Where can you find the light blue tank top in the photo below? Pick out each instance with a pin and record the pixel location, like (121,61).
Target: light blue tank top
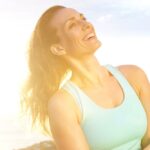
(118,128)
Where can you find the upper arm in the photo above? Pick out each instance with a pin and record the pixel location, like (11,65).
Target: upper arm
(145,98)
(64,125)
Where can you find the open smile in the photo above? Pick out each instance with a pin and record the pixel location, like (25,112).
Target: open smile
(89,36)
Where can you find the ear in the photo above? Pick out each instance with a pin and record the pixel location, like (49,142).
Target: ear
(57,49)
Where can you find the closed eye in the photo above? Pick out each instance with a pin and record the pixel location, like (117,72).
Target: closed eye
(84,18)
(73,21)
(72,25)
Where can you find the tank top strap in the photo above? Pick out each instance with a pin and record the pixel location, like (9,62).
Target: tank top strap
(121,78)
(68,87)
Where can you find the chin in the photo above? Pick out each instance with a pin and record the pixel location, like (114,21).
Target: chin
(97,45)
(100,44)
(94,49)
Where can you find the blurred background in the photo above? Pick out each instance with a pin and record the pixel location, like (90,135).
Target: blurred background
(122,26)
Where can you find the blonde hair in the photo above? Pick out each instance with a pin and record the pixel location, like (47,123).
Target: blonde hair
(46,71)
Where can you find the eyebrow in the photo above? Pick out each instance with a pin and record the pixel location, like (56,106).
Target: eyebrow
(73,18)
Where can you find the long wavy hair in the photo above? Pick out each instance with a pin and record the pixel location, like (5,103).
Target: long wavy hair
(46,70)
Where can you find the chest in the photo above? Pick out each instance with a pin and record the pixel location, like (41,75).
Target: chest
(120,129)
(108,96)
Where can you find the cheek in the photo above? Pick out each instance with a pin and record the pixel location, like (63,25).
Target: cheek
(75,34)
(75,46)
(78,44)
(73,40)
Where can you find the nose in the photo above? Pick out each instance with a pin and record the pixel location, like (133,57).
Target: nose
(86,26)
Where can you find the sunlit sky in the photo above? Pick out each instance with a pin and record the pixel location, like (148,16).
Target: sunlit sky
(122,26)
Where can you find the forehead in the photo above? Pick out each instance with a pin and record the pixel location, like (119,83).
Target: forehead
(63,15)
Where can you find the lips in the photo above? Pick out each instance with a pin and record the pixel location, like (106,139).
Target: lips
(89,36)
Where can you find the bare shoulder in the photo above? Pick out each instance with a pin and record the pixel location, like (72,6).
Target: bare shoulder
(135,75)
(64,104)
(58,98)
(131,71)
(61,101)
(64,125)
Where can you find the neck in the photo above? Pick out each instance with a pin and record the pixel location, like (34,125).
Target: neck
(88,72)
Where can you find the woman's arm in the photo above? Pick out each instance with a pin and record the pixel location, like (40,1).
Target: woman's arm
(64,124)
(145,98)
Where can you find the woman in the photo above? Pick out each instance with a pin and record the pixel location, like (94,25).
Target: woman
(99,107)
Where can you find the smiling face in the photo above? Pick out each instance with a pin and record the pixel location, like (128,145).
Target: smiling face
(76,35)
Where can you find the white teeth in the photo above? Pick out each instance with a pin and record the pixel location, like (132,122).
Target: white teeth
(90,35)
